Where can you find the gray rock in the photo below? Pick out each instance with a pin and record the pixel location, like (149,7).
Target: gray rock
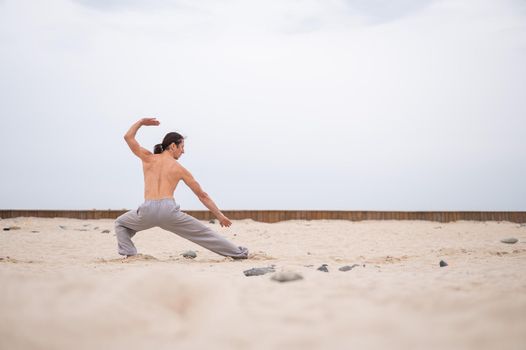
(11,228)
(509,240)
(286,277)
(63,227)
(348,268)
(212,221)
(105,231)
(189,254)
(258,271)
(442,263)
(323,268)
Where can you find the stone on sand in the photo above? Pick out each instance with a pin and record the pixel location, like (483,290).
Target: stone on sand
(258,271)
(286,276)
(442,263)
(347,267)
(510,240)
(189,254)
(323,268)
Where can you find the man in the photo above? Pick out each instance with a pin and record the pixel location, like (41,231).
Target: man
(162,173)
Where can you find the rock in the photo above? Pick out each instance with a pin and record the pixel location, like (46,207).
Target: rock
(442,263)
(348,268)
(323,268)
(286,277)
(63,227)
(105,231)
(189,254)
(11,228)
(212,221)
(35,231)
(509,240)
(258,271)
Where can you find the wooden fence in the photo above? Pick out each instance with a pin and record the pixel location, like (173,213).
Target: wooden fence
(282,215)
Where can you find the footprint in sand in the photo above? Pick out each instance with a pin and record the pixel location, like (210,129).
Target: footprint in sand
(259,255)
(8,259)
(387,259)
(130,259)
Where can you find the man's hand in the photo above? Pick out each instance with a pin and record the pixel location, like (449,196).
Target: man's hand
(150,121)
(224,222)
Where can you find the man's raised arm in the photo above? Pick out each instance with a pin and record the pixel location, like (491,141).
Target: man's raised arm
(129,137)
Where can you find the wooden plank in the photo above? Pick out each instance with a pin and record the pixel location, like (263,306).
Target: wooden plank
(281,215)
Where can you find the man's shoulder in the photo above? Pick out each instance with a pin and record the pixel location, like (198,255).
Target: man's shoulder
(176,166)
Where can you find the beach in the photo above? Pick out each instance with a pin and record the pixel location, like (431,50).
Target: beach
(64,286)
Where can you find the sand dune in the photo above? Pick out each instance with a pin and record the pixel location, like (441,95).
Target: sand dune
(64,286)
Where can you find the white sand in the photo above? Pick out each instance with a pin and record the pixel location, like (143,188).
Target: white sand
(67,288)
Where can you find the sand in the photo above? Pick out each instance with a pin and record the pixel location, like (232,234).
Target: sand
(63,286)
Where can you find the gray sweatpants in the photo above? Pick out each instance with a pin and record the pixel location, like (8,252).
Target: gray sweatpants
(165,213)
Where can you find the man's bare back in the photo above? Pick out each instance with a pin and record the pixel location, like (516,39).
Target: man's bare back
(162,172)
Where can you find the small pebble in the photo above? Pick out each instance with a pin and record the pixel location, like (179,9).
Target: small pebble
(442,263)
(286,277)
(11,228)
(348,268)
(212,221)
(190,254)
(35,231)
(323,268)
(258,271)
(105,231)
(509,240)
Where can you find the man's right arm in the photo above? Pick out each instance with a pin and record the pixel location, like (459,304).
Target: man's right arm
(129,137)
(204,198)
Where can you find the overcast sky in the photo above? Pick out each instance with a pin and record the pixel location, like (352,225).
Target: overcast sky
(286,104)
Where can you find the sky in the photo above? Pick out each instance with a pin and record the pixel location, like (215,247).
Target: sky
(285,104)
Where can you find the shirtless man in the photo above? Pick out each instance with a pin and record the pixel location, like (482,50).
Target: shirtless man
(162,173)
